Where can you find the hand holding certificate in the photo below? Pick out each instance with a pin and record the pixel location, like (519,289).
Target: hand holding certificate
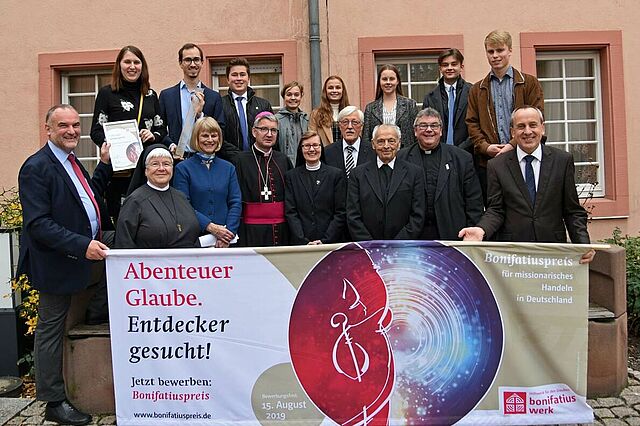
(126,145)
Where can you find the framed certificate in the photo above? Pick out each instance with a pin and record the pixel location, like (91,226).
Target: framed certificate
(126,145)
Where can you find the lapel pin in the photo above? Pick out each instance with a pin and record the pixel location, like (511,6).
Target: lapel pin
(446,166)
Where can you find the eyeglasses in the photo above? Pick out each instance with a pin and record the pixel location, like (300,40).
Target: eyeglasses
(196,61)
(267,130)
(354,123)
(158,164)
(315,146)
(425,126)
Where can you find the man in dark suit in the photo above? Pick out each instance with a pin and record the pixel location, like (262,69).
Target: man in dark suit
(351,152)
(454,198)
(449,98)
(241,105)
(62,210)
(531,191)
(315,197)
(176,100)
(385,197)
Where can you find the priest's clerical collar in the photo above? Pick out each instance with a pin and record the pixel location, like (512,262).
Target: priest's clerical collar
(431,151)
(265,153)
(157,188)
(313,167)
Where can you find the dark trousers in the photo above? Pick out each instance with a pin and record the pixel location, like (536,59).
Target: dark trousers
(49,335)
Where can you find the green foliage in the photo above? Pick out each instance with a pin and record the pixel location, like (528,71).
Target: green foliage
(10,209)
(11,218)
(632,247)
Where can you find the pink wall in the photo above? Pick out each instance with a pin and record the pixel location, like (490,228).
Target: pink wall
(31,29)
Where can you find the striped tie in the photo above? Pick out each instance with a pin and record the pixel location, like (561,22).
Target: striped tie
(349,163)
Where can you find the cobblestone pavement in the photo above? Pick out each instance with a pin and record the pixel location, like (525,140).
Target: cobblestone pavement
(614,411)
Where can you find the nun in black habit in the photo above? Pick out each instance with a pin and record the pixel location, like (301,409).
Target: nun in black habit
(155,215)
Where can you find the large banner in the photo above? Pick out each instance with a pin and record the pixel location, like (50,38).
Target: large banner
(354,334)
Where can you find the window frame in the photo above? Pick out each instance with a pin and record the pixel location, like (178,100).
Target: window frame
(584,190)
(258,66)
(65,95)
(407,60)
(615,202)
(389,46)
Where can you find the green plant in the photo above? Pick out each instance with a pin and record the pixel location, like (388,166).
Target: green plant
(632,248)
(11,218)
(10,209)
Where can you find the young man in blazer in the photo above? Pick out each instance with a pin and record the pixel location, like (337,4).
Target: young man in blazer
(385,197)
(532,191)
(176,100)
(449,98)
(241,105)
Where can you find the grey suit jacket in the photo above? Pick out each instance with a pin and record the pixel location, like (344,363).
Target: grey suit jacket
(406,111)
(510,216)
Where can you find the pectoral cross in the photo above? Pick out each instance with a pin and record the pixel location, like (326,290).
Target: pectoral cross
(265,193)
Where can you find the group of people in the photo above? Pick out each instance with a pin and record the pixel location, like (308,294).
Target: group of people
(224,167)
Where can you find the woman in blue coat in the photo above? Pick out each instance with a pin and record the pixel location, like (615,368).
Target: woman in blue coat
(211,184)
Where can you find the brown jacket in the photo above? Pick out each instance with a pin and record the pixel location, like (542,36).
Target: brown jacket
(325,133)
(481,116)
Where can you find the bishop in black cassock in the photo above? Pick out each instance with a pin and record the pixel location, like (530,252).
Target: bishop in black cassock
(261,173)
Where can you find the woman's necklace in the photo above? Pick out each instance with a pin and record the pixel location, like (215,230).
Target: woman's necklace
(266,192)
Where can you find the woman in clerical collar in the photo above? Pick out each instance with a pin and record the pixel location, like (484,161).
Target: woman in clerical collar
(155,215)
(211,184)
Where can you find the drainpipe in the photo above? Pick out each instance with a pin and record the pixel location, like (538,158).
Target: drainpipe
(314,43)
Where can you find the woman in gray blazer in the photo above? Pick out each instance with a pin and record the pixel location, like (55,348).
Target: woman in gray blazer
(390,107)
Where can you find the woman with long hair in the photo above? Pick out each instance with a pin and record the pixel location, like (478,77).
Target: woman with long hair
(129,96)
(390,107)
(324,119)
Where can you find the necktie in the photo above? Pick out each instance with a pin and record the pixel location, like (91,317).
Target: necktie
(349,164)
(243,124)
(386,177)
(85,185)
(529,178)
(452,103)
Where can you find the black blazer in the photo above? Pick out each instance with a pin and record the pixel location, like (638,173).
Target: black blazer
(334,154)
(510,215)
(318,215)
(255,105)
(397,216)
(458,198)
(406,111)
(56,229)
(434,100)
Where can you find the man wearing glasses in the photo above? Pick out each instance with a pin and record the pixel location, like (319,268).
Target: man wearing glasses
(454,198)
(261,172)
(191,93)
(386,197)
(350,152)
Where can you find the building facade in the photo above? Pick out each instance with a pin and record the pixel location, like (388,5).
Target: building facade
(582,52)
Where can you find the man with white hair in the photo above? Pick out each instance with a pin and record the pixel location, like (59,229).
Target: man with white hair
(386,197)
(350,152)
(261,172)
